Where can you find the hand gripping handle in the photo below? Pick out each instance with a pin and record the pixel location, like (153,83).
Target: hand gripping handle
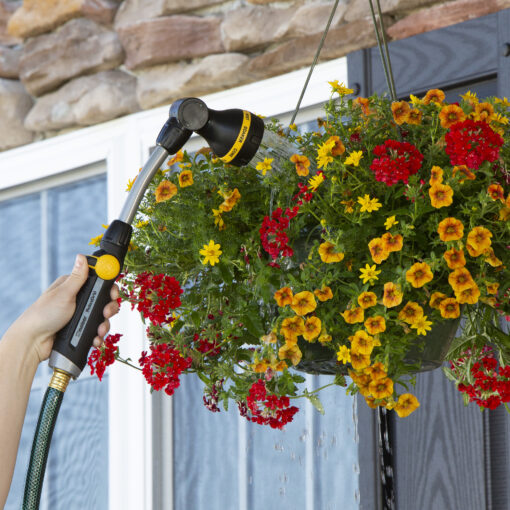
(73,342)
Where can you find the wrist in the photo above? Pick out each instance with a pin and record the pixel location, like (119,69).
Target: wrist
(21,347)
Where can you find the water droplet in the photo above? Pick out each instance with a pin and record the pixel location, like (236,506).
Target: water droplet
(282,491)
(278,447)
(250,480)
(355,468)
(357,496)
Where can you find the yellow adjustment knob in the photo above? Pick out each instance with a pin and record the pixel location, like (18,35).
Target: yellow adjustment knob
(107,267)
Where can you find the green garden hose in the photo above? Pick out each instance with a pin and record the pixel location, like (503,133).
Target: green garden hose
(42,439)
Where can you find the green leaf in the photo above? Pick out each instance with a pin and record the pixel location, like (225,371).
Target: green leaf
(253,325)
(226,273)
(314,399)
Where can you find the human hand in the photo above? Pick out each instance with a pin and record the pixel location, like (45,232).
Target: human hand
(54,309)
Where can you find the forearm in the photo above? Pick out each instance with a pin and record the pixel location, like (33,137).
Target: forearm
(18,364)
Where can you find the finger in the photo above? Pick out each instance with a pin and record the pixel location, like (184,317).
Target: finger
(97,342)
(76,279)
(114,293)
(111,309)
(103,328)
(59,281)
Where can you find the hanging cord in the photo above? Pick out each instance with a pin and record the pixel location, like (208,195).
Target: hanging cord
(385,441)
(316,58)
(383,49)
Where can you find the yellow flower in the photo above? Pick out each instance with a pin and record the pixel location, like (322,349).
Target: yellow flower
(323,294)
(130,183)
(328,254)
(302,164)
(415,100)
(315,181)
(407,403)
(270,338)
(419,274)
(292,327)
(436,299)
(460,279)
(211,252)
(230,200)
(411,312)
(375,325)
(218,220)
(95,241)
(381,388)
(450,229)
(362,343)
(414,117)
(325,338)
(369,273)
(483,112)
(436,175)
(291,352)
(492,259)
(392,243)
(141,223)
(378,250)
(470,97)
(492,288)
(264,166)
(165,191)
(369,204)
(349,206)
(353,315)
(392,295)
(340,88)
(354,158)
(367,299)
(312,328)
(468,296)
(178,157)
(324,156)
(400,110)
(465,172)
(338,148)
(303,303)
(441,195)
(344,354)
(390,222)
(479,238)
(422,325)
(449,308)
(260,366)
(283,296)
(503,102)
(360,361)
(454,258)
(376,371)
(185,178)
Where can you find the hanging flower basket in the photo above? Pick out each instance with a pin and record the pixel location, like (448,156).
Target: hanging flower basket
(352,255)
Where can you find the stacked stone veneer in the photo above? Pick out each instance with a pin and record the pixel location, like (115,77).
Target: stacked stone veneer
(71,63)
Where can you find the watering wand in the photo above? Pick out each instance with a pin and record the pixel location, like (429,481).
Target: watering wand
(238,137)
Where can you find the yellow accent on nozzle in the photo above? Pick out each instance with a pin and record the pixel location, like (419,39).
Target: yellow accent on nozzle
(59,380)
(241,138)
(107,267)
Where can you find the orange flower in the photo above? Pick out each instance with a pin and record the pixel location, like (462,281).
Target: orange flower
(359,361)
(230,200)
(291,328)
(354,315)
(312,328)
(411,312)
(185,178)
(381,388)
(367,299)
(323,294)
(303,303)
(451,114)
(375,325)
(377,250)
(392,295)
(436,175)
(436,299)
(484,112)
(450,229)
(473,252)
(449,308)
(328,254)
(362,343)
(283,296)
(460,279)
(407,403)
(392,243)
(302,164)
(165,191)
(464,171)
(400,111)
(363,103)
(441,195)
(491,258)
(496,192)
(419,274)
(362,381)
(371,402)
(376,371)
(338,147)
(179,156)
(479,238)
(469,295)
(434,96)
(291,352)
(454,258)
(414,117)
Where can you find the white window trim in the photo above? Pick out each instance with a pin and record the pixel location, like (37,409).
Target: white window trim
(123,145)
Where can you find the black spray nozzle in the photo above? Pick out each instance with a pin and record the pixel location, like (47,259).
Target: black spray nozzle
(234,135)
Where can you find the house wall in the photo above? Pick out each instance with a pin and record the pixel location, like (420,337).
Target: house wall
(66,64)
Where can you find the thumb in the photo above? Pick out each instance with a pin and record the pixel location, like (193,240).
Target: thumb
(78,275)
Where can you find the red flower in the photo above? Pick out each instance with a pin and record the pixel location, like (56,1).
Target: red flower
(272,232)
(102,357)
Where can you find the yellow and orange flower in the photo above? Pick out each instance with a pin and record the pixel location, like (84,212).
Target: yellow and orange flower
(468,296)
(491,259)
(338,148)
(323,294)
(367,299)
(411,312)
(483,112)
(377,250)
(283,296)
(419,274)
(492,288)
(400,110)
(434,96)
(291,328)
(362,381)
(414,117)
(407,403)
(496,192)
(454,258)
(302,164)
(362,343)
(353,315)
(392,295)
(303,303)
(451,114)
(185,178)
(460,279)
(359,361)
(436,298)
(436,175)
(328,254)
(165,191)
(392,243)
(375,325)
(465,172)
(230,200)
(473,252)
(376,371)
(363,103)
(312,330)
(479,238)
(441,195)
(381,388)
(449,308)
(450,229)
(291,352)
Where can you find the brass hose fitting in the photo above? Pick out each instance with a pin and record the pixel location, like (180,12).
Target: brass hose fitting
(59,380)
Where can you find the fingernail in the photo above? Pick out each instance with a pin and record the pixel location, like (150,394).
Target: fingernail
(78,262)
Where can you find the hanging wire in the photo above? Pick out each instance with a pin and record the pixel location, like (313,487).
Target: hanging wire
(319,48)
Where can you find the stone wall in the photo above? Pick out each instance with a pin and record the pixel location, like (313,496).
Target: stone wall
(71,63)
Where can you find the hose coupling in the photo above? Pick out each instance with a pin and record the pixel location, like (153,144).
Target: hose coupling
(59,380)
